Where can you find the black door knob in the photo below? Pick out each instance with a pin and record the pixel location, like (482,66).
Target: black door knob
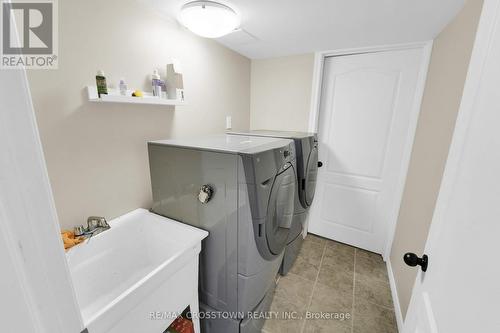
(320,164)
(411,259)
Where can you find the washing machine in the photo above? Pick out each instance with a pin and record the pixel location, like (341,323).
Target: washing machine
(241,189)
(306,147)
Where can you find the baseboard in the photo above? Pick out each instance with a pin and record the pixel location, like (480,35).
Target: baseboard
(395,298)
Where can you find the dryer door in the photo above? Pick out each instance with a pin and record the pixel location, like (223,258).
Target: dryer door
(311,176)
(280,210)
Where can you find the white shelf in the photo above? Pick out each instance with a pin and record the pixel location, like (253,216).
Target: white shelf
(114,96)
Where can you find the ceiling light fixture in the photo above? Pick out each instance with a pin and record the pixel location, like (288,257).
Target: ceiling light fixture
(209,19)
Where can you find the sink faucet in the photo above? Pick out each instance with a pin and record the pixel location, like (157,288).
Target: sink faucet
(95,225)
(97,222)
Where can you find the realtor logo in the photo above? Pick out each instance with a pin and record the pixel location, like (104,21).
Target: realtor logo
(29,34)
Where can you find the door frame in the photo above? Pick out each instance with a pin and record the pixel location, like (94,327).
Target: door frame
(29,225)
(489,19)
(29,228)
(28,219)
(319,60)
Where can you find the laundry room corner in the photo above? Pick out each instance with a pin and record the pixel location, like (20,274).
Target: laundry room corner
(237,166)
(280,92)
(92,148)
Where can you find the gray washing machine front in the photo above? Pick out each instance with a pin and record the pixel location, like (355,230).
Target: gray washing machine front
(306,147)
(241,190)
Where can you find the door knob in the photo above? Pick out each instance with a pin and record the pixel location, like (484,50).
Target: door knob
(320,164)
(411,259)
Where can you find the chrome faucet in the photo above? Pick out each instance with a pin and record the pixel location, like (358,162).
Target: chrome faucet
(95,225)
(97,222)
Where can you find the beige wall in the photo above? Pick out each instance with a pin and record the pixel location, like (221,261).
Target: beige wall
(443,92)
(281,93)
(96,153)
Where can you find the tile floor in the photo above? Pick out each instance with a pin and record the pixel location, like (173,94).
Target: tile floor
(337,279)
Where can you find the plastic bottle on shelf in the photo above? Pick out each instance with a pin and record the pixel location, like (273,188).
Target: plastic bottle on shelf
(156,83)
(102,87)
(123,87)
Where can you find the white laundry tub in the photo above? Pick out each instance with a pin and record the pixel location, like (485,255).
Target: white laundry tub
(136,275)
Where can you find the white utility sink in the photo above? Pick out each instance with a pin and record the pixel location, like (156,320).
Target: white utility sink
(145,264)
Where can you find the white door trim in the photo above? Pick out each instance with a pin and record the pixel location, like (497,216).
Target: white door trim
(28,220)
(38,282)
(395,296)
(319,60)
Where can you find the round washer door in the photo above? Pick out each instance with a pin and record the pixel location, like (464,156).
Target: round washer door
(311,176)
(280,210)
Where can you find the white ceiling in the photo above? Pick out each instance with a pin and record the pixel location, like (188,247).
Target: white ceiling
(274,28)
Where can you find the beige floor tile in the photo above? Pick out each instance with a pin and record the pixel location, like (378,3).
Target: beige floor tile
(312,251)
(304,268)
(332,300)
(315,239)
(372,318)
(368,254)
(326,326)
(340,247)
(373,290)
(335,278)
(339,256)
(282,320)
(328,277)
(295,289)
(371,266)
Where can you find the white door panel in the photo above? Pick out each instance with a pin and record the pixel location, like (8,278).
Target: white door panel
(461,284)
(367,104)
(358,136)
(349,206)
(426,322)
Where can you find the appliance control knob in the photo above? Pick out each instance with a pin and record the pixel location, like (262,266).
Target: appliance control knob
(205,194)
(286,153)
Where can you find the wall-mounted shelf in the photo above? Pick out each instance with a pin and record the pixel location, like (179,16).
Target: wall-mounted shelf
(114,96)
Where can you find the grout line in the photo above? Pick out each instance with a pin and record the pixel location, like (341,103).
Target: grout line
(379,305)
(353,290)
(300,277)
(314,286)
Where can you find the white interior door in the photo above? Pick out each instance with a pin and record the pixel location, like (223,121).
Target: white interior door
(368,112)
(460,291)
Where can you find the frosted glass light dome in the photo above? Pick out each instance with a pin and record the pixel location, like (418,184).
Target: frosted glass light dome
(209,19)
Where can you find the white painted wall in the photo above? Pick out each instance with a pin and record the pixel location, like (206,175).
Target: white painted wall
(281,93)
(96,153)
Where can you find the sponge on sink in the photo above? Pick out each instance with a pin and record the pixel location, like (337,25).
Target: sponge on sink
(69,239)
